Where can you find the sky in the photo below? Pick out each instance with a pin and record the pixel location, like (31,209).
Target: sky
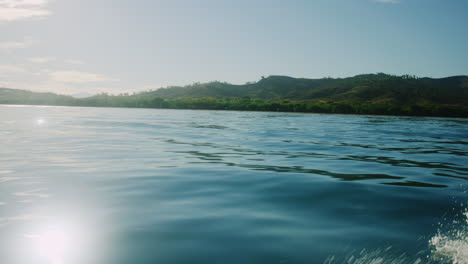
(125,46)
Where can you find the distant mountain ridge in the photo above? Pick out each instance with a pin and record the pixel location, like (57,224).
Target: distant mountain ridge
(362,94)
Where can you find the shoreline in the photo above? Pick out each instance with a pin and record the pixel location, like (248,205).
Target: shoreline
(236,110)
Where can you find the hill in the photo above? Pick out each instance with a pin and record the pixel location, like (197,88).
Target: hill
(15,96)
(361,94)
(371,88)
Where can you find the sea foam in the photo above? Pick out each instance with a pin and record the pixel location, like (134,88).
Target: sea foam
(450,244)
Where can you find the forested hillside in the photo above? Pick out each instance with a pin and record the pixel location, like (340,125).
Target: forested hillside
(374,88)
(361,94)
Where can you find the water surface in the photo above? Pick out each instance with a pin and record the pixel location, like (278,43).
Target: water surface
(104,185)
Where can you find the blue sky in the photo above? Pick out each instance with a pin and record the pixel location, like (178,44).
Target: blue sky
(115,46)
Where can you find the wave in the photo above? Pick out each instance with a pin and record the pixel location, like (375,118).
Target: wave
(378,256)
(448,246)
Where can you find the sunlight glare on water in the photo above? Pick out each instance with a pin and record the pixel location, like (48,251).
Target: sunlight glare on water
(56,242)
(51,245)
(40,121)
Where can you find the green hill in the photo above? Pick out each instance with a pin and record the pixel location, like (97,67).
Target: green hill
(15,96)
(372,88)
(361,94)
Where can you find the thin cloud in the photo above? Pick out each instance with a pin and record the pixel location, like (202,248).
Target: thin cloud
(9,46)
(38,193)
(7,68)
(41,59)
(11,10)
(75,62)
(79,77)
(22,3)
(387,1)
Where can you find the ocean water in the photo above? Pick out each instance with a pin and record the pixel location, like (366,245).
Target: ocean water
(111,186)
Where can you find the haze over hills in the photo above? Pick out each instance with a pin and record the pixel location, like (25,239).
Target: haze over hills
(363,94)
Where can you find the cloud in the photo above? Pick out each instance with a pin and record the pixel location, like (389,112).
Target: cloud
(38,193)
(11,10)
(6,68)
(79,77)
(387,1)
(75,62)
(41,59)
(10,14)
(22,3)
(8,46)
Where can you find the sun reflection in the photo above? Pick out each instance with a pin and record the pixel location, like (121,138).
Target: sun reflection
(40,121)
(56,243)
(51,245)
